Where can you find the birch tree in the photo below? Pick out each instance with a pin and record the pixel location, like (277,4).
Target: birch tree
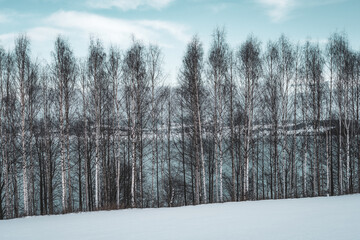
(217,71)
(22,62)
(286,72)
(314,68)
(64,68)
(96,73)
(155,73)
(5,70)
(114,73)
(272,96)
(191,79)
(249,70)
(135,75)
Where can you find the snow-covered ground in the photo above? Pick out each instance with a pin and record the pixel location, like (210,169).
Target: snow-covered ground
(327,218)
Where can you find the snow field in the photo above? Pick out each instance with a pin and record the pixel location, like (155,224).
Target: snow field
(330,218)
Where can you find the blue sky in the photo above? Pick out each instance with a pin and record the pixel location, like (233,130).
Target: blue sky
(171,23)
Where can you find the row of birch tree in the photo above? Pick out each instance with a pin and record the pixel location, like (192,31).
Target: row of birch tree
(258,121)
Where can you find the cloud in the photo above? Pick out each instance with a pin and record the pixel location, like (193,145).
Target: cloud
(176,30)
(278,10)
(79,26)
(8,16)
(116,29)
(216,8)
(128,4)
(3,18)
(41,39)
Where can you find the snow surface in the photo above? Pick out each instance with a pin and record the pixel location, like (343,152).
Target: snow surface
(310,218)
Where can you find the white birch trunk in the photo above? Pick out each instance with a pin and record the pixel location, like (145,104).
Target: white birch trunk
(67,107)
(133,140)
(62,144)
(201,146)
(327,163)
(340,158)
(220,146)
(97,160)
(62,149)
(216,137)
(23,145)
(3,152)
(154,138)
(47,147)
(348,158)
(118,139)
(86,170)
(221,167)
(305,168)
(118,160)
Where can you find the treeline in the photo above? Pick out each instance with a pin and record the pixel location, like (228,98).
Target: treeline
(259,121)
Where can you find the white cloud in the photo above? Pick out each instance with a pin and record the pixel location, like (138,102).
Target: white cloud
(3,18)
(43,34)
(128,4)
(117,30)
(79,26)
(216,8)
(176,30)
(8,16)
(41,39)
(278,10)
(38,34)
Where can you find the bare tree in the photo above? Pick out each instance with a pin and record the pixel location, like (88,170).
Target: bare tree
(155,73)
(231,83)
(22,62)
(96,74)
(64,73)
(286,72)
(249,70)
(6,65)
(217,71)
(272,105)
(84,86)
(190,79)
(135,77)
(114,73)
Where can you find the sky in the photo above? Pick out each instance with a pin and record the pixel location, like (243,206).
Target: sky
(172,23)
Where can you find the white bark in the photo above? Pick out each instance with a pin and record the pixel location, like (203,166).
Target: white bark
(216,135)
(348,159)
(3,150)
(23,146)
(86,170)
(305,168)
(220,142)
(327,163)
(133,140)
(118,139)
(155,73)
(201,145)
(340,157)
(97,153)
(47,145)
(347,127)
(62,149)
(115,68)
